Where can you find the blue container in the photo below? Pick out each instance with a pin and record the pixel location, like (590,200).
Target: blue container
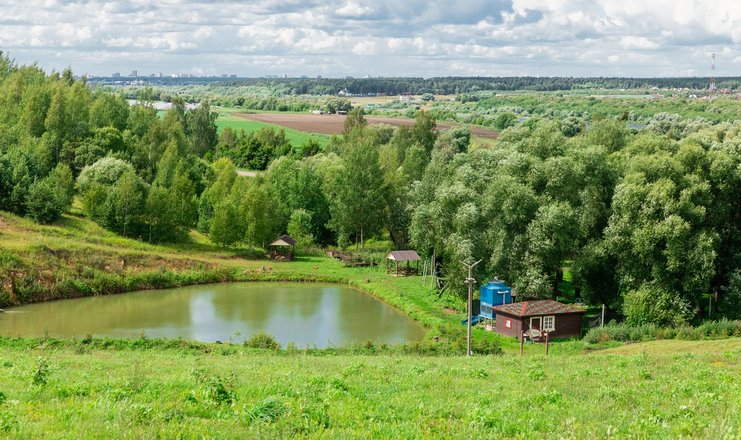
(494,293)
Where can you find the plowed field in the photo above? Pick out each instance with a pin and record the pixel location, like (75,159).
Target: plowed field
(335,124)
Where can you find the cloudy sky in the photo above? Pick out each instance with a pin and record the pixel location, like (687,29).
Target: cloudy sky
(377,38)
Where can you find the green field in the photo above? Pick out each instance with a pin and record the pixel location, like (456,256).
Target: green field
(297,138)
(87,391)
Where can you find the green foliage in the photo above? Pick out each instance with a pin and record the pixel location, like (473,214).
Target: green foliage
(355,120)
(43,202)
(226,226)
(300,228)
(40,373)
(357,189)
(262,340)
(651,304)
(106,171)
(215,390)
(648,332)
(334,105)
(730,303)
(505,120)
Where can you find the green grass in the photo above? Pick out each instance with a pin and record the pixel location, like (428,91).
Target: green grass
(235,392)
(297,138)
(143,388)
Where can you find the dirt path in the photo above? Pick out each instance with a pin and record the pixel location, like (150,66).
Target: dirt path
(335,124)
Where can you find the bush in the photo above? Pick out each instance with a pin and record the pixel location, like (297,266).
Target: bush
(652,304)
(43,203)
(262,340)
(626,332)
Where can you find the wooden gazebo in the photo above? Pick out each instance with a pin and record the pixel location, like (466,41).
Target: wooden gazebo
(402,256)
(282,248)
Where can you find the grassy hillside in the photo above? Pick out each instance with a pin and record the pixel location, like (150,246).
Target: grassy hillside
(209,391)
(75,257)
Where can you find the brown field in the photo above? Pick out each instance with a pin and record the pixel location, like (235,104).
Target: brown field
(335,124)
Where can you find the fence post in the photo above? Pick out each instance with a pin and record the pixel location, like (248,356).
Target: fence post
(522,342)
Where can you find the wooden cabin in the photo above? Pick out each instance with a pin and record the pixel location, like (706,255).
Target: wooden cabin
(537,317)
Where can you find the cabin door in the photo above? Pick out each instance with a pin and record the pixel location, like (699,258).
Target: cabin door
(535,323)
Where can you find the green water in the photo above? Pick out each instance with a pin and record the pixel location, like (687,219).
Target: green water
(306,314)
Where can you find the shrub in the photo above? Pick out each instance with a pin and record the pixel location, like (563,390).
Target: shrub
(626,332)
(652,304)
(216,390)
(43,203)
(262,340)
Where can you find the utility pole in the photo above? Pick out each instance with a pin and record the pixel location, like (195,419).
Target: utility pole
(470,282)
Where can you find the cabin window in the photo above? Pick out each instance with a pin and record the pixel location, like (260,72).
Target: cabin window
(508,323)
(549,323)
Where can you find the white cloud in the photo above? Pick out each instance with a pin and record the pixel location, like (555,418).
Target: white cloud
(354,9)
(632,42)
(359,37)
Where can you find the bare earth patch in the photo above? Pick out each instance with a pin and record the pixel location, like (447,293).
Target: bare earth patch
(335,124)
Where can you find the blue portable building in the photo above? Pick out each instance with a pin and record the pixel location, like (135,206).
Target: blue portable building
(494,293)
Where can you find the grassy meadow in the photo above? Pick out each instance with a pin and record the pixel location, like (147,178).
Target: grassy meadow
(689,390)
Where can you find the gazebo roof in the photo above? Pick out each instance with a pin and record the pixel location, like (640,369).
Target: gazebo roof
(283,240)
(403,256)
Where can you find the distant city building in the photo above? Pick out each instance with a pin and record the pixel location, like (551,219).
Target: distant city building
(232,75)
(134,73)
(116,75)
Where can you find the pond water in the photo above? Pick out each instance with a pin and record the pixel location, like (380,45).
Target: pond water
(307,314)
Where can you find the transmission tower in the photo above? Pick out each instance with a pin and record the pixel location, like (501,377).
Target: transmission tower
(712,87)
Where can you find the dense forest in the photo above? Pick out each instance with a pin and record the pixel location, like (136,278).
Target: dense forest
(648,222)
(443,85)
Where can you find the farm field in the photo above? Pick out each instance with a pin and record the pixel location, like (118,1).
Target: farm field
(334,124)
(144,390)
(296,137)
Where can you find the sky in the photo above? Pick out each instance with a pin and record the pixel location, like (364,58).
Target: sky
(336,38)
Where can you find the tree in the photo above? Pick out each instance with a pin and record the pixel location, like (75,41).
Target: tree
(300,228)
(355,120)
(128,202)
(63,184)
(109,110)
(505,120)
(226,224)
(42,202)
(653,304)
(201,129)
(57,122)
(357,205)
(424,130)
(106,171)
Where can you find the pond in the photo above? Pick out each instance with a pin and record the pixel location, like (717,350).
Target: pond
(307,314)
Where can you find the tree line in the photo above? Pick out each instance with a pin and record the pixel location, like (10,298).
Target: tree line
(647,222)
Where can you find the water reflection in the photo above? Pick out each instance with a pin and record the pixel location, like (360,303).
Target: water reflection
(307,314)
